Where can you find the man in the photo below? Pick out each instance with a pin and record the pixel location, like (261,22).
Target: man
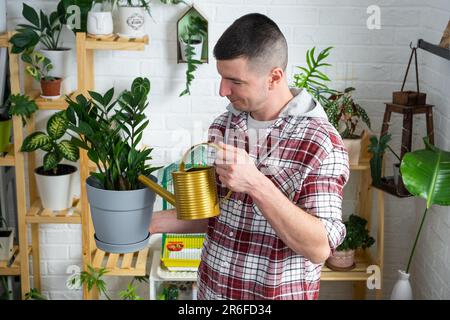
(283,219)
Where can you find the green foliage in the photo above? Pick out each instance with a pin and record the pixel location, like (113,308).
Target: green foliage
(377,148)
(6,294)
(92,278)
(111,135)
(130,292)
(20,105)
(341,108)
(55,150)
(426,173)
(39,65)
(312,79)
(43,28)
(357,235)
(34,294)
(194,30)
(146,3)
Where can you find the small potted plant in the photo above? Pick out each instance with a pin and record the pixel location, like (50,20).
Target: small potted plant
(132,16)
(54,180)
(191,47)
(15,105)
(39,68)
(45,30)
(357,236)
(344,114)
(121,207)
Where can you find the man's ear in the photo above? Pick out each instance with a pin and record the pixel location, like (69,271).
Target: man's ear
(276,75)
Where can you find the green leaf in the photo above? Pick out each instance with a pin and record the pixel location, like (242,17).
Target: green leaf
(51,160)
(25,38)
(31,15)
(35,141)
(97,97)
(68,150)
(57,125)
(426,173)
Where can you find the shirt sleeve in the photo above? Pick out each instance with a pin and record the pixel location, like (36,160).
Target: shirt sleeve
(322,192)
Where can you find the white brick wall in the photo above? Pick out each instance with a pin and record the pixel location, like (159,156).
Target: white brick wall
(373,61)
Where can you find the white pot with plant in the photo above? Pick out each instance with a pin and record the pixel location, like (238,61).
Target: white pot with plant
(39,67)
(99,19)
(6,240)
(53,179)
(46,31)
(357,237)
(426,174)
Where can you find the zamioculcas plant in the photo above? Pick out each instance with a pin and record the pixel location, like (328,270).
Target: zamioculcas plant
(49,142)
(377,148)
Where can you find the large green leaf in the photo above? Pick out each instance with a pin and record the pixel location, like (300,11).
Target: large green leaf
(57,125)
(68,150)
(30,14)
(35,141)
(426,173)
(51,160)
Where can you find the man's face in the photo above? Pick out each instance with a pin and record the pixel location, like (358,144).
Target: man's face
(246,89)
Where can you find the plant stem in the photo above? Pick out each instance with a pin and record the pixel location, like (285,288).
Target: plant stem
(415,242)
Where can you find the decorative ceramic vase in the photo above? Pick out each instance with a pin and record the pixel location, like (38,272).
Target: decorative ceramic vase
(197,45)
(341,260)
(99,23)
(402,288)
(131,22)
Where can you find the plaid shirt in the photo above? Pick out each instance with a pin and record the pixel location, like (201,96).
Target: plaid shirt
(243,258)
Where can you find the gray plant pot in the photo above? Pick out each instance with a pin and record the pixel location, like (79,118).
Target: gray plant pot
(121,218)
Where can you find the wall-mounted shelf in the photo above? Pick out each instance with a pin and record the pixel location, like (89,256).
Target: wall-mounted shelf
(435,49)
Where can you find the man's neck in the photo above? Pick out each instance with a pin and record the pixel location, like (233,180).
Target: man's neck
(273,108)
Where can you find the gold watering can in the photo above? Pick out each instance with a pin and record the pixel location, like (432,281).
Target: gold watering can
(195,190)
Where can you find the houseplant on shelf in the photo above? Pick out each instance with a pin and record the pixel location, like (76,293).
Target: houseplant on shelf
(191,46)
(15,105)
(6,240)
(345,114)
(54,180)
(43,29)
(357,237)
(425,173)
(121,207)
(39,68)
(132,16)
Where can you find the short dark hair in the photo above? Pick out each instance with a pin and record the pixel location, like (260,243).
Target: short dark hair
(255,37)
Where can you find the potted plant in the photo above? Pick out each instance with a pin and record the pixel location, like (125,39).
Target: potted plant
(39,68)
(191,46)
(132,16)
(425,173)
(6,240)
(121,207)
(357,236)
(54,180)
(15,105)
(43,29)
(344,114)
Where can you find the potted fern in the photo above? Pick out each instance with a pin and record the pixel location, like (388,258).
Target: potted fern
(53,179)
(357,236)
(121,207)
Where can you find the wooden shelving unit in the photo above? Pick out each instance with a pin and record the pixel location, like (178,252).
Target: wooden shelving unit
(359,274)
(132,264)
(14,158)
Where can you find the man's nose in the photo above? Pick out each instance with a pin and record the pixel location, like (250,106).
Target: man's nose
(224,88)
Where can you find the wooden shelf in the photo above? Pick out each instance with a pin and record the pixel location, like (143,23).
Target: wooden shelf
(117,43)
(363,165)
(37,214)
(14,268)
(4,40)
(128,264)
(7,160)
(50,104)
(388,185)
(359,273)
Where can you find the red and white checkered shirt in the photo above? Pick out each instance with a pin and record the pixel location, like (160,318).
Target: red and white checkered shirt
(243,258)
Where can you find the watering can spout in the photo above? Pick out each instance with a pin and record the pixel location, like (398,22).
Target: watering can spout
(168,196)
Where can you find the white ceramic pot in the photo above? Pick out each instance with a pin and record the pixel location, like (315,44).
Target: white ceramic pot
(59,60)
(402,288)
(132,22)
(354,150)
(198,48)
(6,243)
(100,23)
(55,191)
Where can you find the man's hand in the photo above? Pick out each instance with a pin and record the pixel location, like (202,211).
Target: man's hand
(236,169)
